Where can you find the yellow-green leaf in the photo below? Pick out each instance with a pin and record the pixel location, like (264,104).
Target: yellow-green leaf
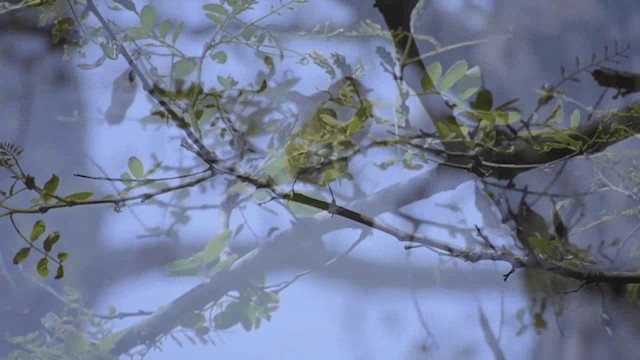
(43,267)
(38,228)
(219,56)
(216,8)
(176,32)
(51,186)
(575,119)
(79,196)
(59,272)
(147,18)
(182,68)
(163,28)
(21,255)
(426,83)
(435,71)
(135,167)
(51,240)
(453,74)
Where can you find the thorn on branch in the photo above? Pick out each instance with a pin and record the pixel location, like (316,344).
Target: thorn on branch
(506,276)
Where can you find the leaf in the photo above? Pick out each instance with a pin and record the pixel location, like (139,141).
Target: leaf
(219,56)
(62,256)
(147,18)
(79,196)
(215,18)
(453,74)
(21,255)
(51,240)
(182,68)
(126,178)
(135,167)
(227,82)
(38,229)
(216,8)
(176,32)
(163,28)
(43,267)
(435,71)
(574,120)
(59,272)
(469,84)
(484,101)
(214,247)
(426,83)
(51,186)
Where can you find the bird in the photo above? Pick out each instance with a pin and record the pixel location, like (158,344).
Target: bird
(329,127)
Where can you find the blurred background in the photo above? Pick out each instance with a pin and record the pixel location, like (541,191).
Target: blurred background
(378,302)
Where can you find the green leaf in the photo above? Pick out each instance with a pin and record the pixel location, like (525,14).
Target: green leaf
(21,255)
(51,186)
(163,28)
(79,196)
(435,71)
(43,267)
(227,82)
(147,18)
(469,84)
(574,120)
(135,167)
(216,8)
(426,83)
(182,68)
(453,74)
(215,18)
(59,272)
(62,256)
(176,32)
(248,32)
(219,56)
(126,178)
(214,247)
(51,240)
(484,101)
(38,229)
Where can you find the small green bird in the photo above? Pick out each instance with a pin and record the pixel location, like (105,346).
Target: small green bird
(320,146)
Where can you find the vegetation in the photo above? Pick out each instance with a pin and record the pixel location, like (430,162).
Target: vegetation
(231,126)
